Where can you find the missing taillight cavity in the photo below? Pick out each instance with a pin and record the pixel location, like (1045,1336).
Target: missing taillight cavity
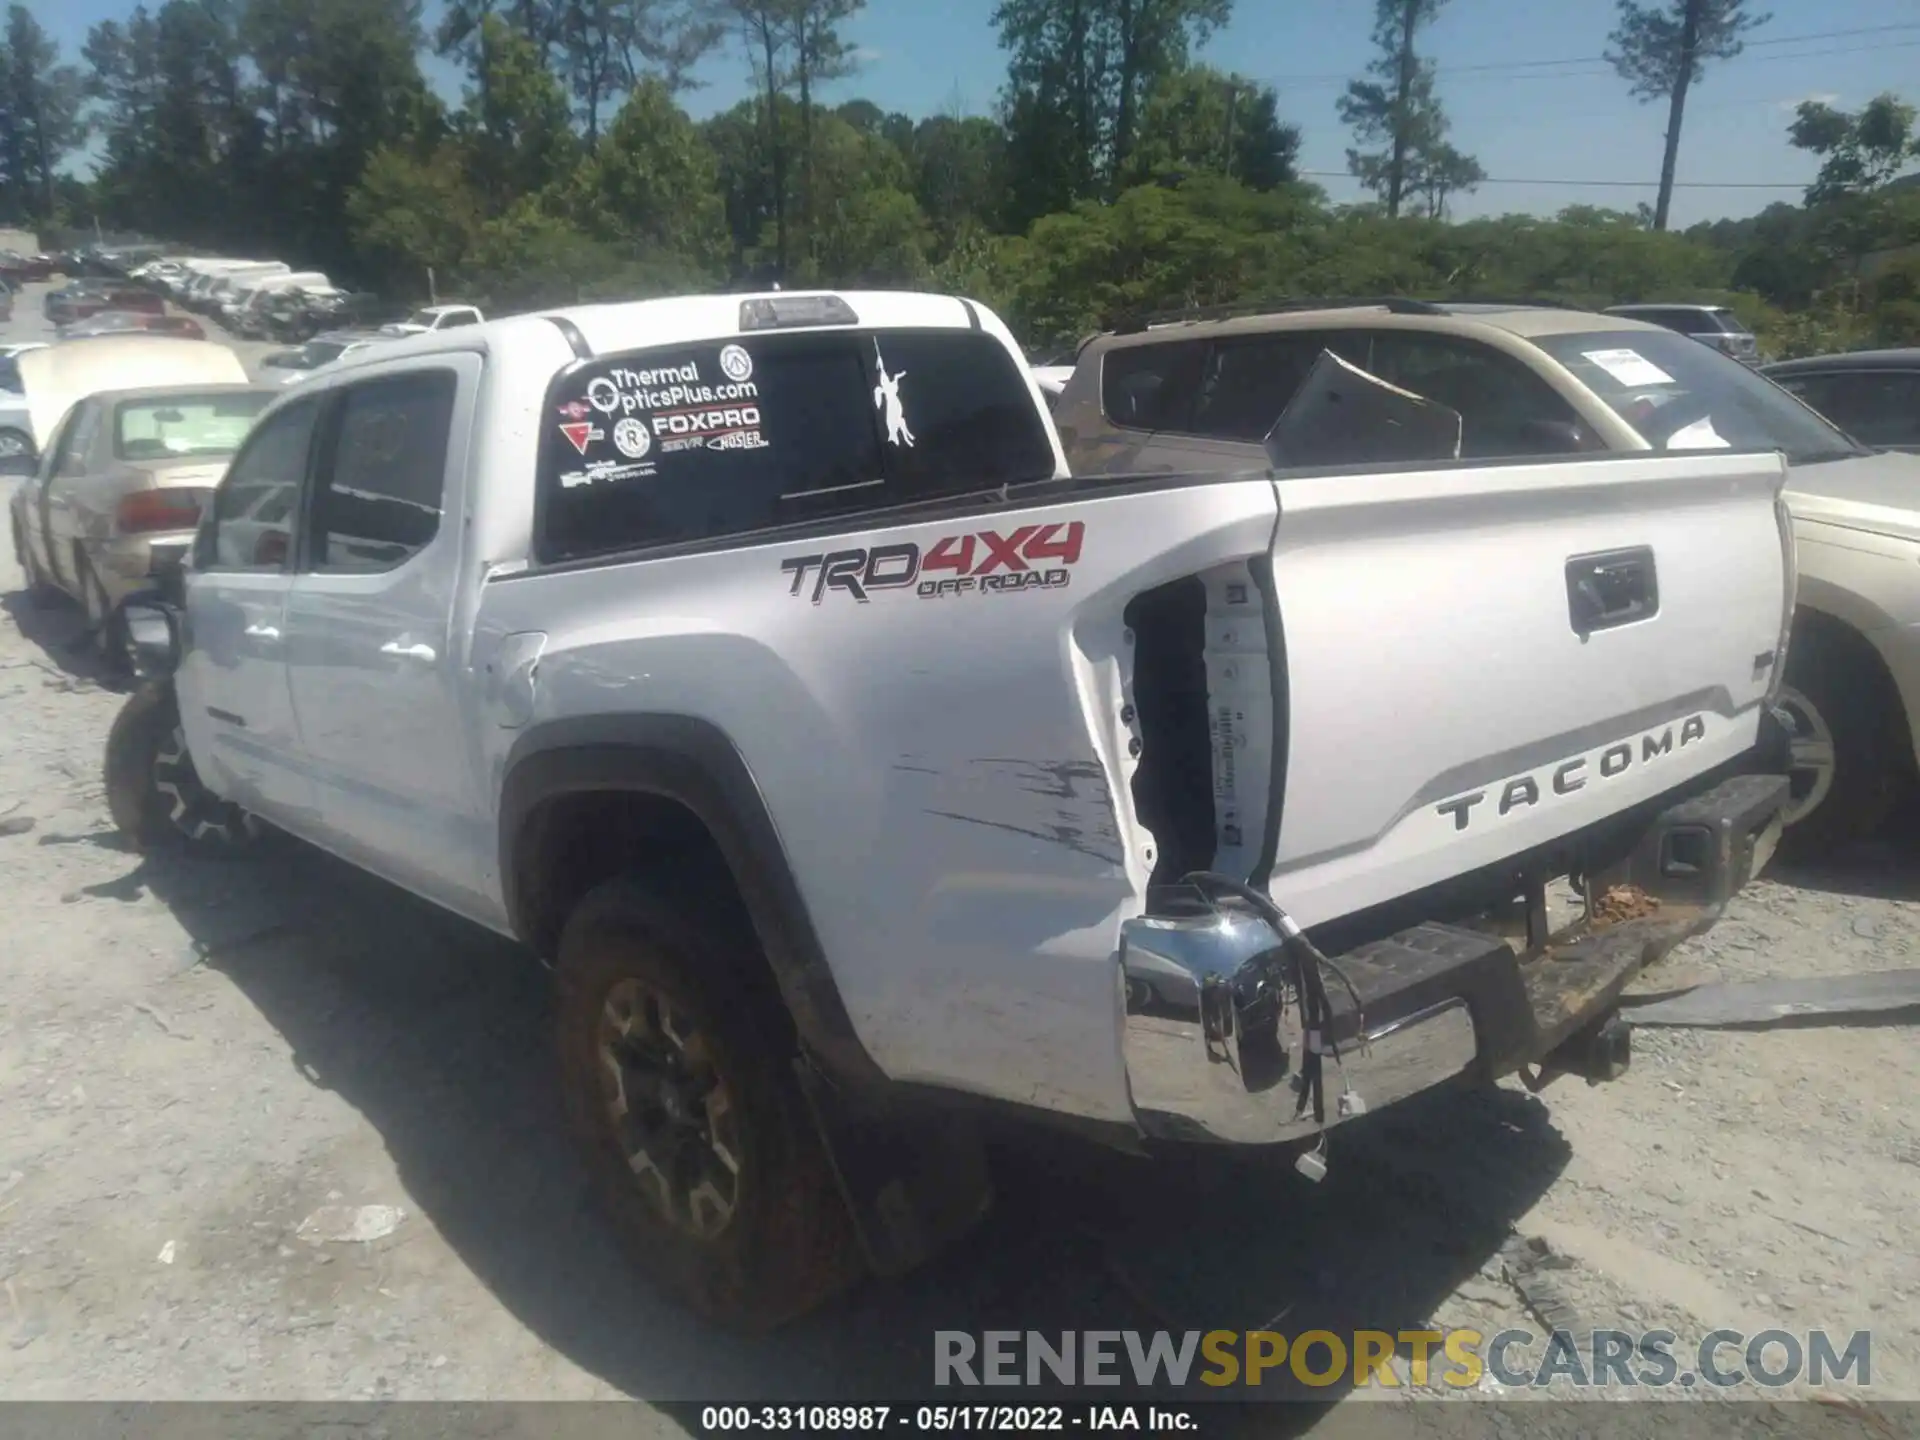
(1173,786)
(148,511)
(1203,696)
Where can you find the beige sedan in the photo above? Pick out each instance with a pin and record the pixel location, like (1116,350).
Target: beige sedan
(122,486)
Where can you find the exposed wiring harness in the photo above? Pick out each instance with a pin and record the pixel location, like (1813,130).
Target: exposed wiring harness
(1309,968)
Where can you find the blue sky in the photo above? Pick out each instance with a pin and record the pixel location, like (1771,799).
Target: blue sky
(1520,78)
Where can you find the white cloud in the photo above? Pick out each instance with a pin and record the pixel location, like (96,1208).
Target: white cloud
(1794,102)
(866,55)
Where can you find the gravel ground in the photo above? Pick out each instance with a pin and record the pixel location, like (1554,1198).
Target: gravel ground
(201,1064)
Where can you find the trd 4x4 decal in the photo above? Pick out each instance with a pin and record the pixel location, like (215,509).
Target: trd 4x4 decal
(986,562)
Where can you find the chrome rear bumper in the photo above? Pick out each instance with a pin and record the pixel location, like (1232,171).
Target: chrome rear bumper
(1211,1036)
(1214,1049)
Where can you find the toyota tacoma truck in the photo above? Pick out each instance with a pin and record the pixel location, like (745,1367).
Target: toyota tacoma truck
(759,663)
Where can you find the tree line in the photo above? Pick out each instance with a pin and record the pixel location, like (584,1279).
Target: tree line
(1118,173)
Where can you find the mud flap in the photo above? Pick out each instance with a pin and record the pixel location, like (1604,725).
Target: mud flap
(911,1188)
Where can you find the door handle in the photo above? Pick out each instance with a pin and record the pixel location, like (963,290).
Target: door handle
(1615,588)
(424,654)
(262,632)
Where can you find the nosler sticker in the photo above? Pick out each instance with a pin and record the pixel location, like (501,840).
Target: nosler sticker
(886,399)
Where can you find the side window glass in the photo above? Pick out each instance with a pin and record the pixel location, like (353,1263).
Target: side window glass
(457,317)
(56,447)
(1150,387)
(377,504)
(1246,383)
(251,524)
(76,438)
(1505,409)
(10,380)
(1875,407)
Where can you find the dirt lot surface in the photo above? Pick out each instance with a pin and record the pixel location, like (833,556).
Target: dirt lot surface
(206,1069)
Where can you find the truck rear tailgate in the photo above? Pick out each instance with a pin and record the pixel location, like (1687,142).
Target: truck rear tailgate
(1483,660)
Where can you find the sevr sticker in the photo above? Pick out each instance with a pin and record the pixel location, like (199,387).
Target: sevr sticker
(985,562)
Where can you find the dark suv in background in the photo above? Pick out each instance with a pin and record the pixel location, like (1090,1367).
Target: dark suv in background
(1713,325)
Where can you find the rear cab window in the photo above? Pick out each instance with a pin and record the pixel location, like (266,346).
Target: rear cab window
(702,442)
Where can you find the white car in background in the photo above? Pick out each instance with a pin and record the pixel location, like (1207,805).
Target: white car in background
(16,425)
(434,317)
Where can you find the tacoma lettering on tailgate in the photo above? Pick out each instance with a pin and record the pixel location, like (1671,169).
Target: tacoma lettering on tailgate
(1575,774)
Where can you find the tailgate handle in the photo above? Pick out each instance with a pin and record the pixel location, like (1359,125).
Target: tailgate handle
(1616,587)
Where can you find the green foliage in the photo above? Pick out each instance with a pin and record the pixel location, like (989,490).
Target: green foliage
(1119,177)
(1080,75)
(1892,299)
(1661,51)
(1399,112)
(517,128)
(1199,121)
(411,213)
(39,118)
(1653,45)
(1205,241)
(653,185)
(1860,151)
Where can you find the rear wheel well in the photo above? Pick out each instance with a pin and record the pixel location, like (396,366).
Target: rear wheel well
(571,844)
(1846,645)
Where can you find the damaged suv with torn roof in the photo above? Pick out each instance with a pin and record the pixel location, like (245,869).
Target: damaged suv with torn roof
(761,664)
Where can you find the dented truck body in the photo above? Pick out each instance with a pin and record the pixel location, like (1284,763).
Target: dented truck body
(960,751)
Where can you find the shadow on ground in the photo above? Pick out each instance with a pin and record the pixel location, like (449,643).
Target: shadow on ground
(1886,867)
(438,1034)
(57,626)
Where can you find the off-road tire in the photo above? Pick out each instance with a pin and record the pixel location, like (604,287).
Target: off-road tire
(154,794)
(789,1245)
(1838,676)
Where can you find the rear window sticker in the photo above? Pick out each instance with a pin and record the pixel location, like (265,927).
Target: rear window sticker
(582,433)
(1629,367)
(886,399)
(735,363)
(630,438)
(603,394)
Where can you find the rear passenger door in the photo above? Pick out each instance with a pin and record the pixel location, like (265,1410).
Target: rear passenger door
(371,666)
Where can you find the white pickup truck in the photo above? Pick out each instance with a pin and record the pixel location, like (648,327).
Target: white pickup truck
(757,661)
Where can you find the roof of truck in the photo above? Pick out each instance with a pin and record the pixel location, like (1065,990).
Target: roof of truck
(675,320)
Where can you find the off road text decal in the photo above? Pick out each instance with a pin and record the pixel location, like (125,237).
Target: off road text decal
(985,562)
